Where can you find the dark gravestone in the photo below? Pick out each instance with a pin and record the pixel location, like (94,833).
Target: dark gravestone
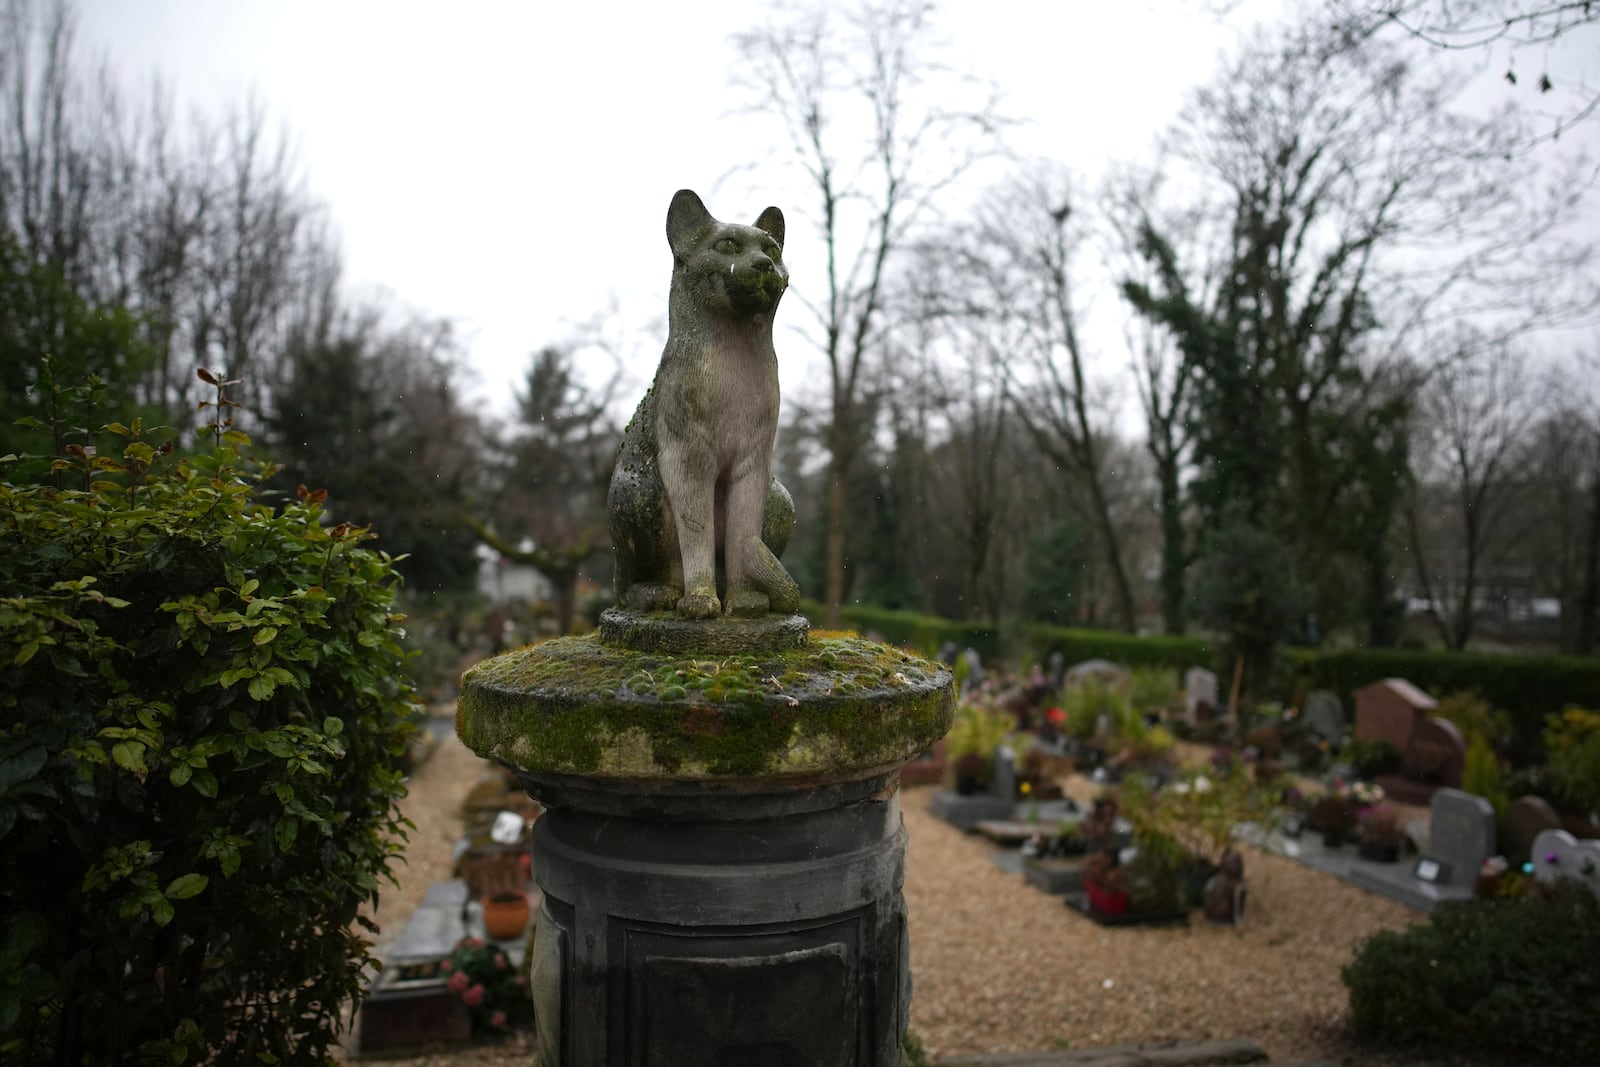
(1389,710)
(1433,757)
(1324,716)
(1525,819)
(1004,782)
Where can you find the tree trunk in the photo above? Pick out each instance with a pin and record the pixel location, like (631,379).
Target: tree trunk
(1589,594)
(834,563)
(1174,560)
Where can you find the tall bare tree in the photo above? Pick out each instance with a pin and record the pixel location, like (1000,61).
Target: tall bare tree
(880,131)
(1477,416)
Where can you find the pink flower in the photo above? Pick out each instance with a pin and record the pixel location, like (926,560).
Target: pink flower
(473,996)
(447,966)
(458,982)
(522,979)
(475,942)
(500,961)
(497,1020)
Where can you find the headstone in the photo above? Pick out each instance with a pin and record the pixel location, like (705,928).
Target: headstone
(1057,663)
(1460,835)
(1558,856)
(1324,716)
(1525,819)
(1389,710)
(974,677)
(1436,753)
(1433,756)
(1004,782)
(1199,687)
(1102,670)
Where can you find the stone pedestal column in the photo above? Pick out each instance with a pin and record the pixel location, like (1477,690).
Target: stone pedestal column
(722,853)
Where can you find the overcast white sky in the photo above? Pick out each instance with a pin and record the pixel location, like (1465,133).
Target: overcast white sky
(508,165)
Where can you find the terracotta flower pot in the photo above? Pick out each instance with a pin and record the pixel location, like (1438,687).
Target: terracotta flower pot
(505,916)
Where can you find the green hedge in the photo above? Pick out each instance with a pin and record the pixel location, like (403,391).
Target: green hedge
(1525,687)
(1514,977)
(203,701)
(1031,641)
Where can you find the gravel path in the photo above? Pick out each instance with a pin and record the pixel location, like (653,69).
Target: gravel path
(1000,966)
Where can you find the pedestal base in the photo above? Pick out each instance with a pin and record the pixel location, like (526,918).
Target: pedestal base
(767,938)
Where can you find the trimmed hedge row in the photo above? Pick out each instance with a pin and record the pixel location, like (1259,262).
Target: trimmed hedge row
(1030,641)
(1527,688)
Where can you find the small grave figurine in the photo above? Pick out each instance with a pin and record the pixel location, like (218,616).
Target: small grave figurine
(1224,891)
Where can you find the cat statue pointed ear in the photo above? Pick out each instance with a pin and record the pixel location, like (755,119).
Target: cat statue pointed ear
(697,520)
(771,222)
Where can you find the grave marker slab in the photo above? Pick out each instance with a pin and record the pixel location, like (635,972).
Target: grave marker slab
(1324,715)
(1101,670)
(1525,819)
(1389,710)
(1433,756)
(1199,687)
(1461,834)
(1557,856)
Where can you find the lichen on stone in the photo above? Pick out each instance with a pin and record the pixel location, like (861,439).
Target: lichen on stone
(574,705)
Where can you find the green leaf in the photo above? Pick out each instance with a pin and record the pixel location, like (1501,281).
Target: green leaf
(265,634)
(236,674)
(249,587)
(285,831)
(129,755)
(205,783)
(23,766)
(186,886)
(333,726)
(161,910)
(181,774)
(261,687)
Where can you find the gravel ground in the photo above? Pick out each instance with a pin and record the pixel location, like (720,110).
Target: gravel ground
(1000,966)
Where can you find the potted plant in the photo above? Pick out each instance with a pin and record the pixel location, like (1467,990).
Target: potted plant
(1334,815)
(483,978)
(499,881)
(1106,884)
(1381,833)
(971,744)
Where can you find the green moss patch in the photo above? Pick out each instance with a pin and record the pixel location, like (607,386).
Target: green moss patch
(574,705)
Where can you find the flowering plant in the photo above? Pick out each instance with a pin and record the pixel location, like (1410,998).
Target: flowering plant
(484,979)
(1363,794)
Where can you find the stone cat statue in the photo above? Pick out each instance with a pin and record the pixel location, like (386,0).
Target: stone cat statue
(697,519)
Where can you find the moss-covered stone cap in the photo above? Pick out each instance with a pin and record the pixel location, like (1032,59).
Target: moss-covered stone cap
(836,709)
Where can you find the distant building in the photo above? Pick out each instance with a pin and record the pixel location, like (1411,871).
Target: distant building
(502,581)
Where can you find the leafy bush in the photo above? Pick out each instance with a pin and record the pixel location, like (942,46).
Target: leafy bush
(1511,976)
(1372,758)
(1086,701)
(1155,689)
(1475,717)
(1573,740)
(204,700)
(1480,774)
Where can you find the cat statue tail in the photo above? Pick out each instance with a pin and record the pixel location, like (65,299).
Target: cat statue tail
(764,571)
